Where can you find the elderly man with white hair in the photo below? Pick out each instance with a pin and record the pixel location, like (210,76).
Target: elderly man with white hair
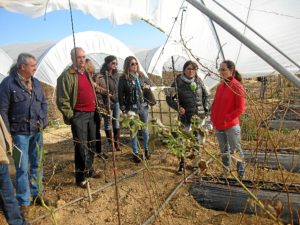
(76,100)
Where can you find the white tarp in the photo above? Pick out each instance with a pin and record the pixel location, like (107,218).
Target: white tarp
(276,20)
(5,64)
(56,59)
(1,77)
(154,61)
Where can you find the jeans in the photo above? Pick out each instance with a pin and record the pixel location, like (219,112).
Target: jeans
(230,140)
(115,113)
(84,134)
(8,199)
(143,114)
(187,127)
(27,182)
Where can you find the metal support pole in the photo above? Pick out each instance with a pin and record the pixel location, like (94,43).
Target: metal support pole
(216,35)
(258,51)
(258,34)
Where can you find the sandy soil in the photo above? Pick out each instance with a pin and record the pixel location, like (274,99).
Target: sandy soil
(139,195)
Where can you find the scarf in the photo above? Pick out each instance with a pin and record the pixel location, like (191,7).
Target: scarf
(192,82)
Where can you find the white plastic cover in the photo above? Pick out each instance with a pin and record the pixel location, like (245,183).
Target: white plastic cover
(5,64)
(277,20)
(154,60)
(57,58)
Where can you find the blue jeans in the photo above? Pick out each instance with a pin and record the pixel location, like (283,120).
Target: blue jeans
(230,140)
(27,182)
(143,114)
(8,199)
(187,127)
(115,113)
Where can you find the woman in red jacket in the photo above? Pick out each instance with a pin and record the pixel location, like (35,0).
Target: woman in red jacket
(228,105)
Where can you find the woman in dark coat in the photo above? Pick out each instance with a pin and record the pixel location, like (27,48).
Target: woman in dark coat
(131,86)
(191,99)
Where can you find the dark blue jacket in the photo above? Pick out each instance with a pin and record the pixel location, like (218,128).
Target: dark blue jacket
(22,113)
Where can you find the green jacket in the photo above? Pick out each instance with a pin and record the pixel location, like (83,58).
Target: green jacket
(66,93)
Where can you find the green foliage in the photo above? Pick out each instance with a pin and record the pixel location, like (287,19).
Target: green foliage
(178,140)
(132,122)
(248,128)
(54,123)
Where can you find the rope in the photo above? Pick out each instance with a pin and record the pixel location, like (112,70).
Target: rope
(175,20)
(244,31)
(72,25)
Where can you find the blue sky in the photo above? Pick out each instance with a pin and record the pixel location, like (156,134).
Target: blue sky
(18,28)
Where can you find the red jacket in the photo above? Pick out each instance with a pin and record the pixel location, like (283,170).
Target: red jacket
(228,104)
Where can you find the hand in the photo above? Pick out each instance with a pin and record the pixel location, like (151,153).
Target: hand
(145,86)
(181,111)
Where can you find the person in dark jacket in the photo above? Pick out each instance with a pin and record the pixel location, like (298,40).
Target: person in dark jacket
(109,76)
(91,71)
(23,108)
(191,98)
(131,98)
(228,105)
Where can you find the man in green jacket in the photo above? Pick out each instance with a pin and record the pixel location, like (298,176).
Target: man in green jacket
(76,99)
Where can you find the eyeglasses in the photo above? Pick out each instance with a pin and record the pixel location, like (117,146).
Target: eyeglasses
(134,64)
(189,68)
(222,69)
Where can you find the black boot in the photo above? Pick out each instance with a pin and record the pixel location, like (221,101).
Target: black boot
(181,166)
(117,139)
(136,158)
(147,154)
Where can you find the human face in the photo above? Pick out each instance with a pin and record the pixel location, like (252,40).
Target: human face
(224,71)
(190,71)
(27,70)
(133,66)
(113,65)
(80,59)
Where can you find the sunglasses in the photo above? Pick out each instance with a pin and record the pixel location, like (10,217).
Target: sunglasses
(114,63)
(189,68)
(134,64)
(222,69)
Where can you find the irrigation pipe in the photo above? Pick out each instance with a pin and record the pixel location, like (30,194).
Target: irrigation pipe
(157,211)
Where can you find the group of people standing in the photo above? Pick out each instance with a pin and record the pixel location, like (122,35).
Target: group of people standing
(191,98)
(84,98)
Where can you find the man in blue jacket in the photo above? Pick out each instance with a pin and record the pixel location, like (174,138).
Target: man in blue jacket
(23,108)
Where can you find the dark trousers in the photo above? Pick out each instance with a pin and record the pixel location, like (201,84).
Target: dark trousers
(98,133)
(83,126)
(7,198)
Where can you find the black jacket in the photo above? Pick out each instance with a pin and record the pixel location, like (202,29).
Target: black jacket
(194,102)
(127,90)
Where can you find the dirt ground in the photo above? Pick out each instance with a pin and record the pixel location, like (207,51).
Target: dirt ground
(140,194)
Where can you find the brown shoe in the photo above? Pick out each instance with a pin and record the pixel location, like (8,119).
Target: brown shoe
(24,209)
